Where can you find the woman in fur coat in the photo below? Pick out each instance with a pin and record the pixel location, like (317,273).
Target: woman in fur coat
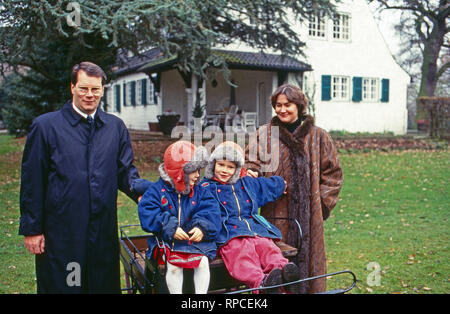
(307,160)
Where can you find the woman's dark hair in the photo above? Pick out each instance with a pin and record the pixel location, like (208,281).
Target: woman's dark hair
(90,68)
(294,94)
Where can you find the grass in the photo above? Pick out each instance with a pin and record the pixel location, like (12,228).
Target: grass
(392,214)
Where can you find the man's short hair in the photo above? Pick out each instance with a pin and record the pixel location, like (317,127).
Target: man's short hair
(91,69)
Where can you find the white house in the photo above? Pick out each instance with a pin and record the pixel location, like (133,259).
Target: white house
(358,85)
(349,74)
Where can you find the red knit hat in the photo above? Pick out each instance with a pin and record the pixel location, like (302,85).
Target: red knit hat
(180,159)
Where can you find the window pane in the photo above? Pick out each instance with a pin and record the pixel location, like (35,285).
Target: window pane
(316,27)
(341,27)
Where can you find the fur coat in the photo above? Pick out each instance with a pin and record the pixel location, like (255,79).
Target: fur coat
(308,162)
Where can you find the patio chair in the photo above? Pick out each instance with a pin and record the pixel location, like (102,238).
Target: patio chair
(212,119)
(250,121)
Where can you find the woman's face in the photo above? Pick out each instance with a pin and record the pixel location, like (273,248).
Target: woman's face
(193,177)
(224,170)
(286,111)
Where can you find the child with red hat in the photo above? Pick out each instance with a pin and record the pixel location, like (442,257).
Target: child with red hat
(246,239)
(183,216)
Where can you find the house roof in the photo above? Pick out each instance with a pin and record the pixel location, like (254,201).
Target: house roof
(153,60)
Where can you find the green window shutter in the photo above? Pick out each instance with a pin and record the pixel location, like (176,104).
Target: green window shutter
(357,89)
(133,93)
(117,92)
(144,91)
(385,90)
(326,87)
(124,94)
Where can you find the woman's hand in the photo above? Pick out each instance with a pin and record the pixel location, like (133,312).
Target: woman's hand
(180,234)
(285,187)
(196,235)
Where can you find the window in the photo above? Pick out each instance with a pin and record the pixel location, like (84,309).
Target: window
(339,87)
(129,93)
(317,25)
(370,89)
(335,87)
(341,27)
(151,98)
(139,93)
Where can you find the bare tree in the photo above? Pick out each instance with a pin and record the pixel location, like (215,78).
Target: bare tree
(424,30)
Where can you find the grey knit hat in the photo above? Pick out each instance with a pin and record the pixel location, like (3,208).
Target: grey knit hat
(226,151)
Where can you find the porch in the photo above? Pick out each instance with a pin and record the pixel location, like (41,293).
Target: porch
(238,104)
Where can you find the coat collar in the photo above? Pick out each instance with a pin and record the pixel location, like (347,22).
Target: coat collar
(74,118)
(295,139)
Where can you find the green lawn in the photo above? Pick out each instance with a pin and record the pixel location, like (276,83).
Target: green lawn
(392,214)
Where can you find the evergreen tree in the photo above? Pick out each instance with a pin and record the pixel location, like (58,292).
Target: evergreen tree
(49,36)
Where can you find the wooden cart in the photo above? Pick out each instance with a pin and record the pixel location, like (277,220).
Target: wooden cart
(146,277)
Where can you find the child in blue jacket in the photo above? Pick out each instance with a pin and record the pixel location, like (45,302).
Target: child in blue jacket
(183,216)
(246,239)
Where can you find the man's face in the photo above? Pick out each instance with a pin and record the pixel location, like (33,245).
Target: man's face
(286,111)
(87,92)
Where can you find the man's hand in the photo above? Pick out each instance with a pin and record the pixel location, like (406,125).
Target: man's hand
(285,188)
(252,173)
(196,235)
(180,234)
(35,244)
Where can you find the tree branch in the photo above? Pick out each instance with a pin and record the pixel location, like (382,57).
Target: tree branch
(442,70)
(418,8)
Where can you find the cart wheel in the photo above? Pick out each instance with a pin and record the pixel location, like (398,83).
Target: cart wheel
(127,281)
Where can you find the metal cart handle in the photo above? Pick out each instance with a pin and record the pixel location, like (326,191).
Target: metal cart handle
(300,233)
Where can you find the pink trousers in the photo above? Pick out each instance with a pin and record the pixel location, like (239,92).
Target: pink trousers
(249,259)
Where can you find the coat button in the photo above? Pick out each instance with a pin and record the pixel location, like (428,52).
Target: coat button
(218,190)
(234,226)
(224,203)
(193,202)
(248,201)
(163,190)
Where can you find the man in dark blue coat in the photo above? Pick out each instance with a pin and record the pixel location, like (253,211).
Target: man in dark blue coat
(75,159)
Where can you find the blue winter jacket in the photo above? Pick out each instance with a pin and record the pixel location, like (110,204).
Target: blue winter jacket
(239,205)
(162,210)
